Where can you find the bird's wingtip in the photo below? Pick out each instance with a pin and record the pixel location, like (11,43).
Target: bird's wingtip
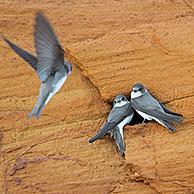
(122,154)
(90,140)
(3,38)
(181,118)
(32,114)
(40,15)
(6,40)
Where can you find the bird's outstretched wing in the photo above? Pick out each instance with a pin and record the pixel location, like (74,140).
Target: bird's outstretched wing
(32,60)
(49,52)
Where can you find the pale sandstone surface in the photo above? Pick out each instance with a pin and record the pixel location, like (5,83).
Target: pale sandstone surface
(115,44)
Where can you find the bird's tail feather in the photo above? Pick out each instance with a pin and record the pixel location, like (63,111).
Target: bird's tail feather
(177,119)
(119,141)
(36,111)
(40,104)
(168,126)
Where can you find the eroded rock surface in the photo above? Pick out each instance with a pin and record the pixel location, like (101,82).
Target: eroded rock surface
(115,44)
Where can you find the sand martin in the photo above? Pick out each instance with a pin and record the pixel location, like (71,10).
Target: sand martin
(49,64)
(151,109)
(120,115)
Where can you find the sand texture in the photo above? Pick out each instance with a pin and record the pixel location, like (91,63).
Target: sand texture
(112,44)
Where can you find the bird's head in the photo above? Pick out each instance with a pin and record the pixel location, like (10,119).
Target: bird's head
(138,90)
(120,100)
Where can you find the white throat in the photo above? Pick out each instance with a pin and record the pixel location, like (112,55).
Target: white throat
(120,104)
(135,94)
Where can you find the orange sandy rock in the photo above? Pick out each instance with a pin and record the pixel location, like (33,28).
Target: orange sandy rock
(115,44)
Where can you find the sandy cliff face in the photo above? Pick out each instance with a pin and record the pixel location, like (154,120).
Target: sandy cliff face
(115,44)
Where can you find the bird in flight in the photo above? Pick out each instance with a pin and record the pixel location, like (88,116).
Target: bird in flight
(49,62)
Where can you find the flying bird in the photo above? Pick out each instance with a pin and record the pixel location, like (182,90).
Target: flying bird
(49,62)
(120,115)
(151,109)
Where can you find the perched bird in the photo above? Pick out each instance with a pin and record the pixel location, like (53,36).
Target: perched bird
(49,64)
(120,115)
(151,109)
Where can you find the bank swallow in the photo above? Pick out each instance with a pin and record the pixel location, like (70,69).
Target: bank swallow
(49,63)
(151,109)
(120,115)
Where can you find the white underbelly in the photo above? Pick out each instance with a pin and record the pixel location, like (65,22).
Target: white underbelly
(145,116)
(123,123)
(56,88)
(49,97)
(59,84)
(149,118)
